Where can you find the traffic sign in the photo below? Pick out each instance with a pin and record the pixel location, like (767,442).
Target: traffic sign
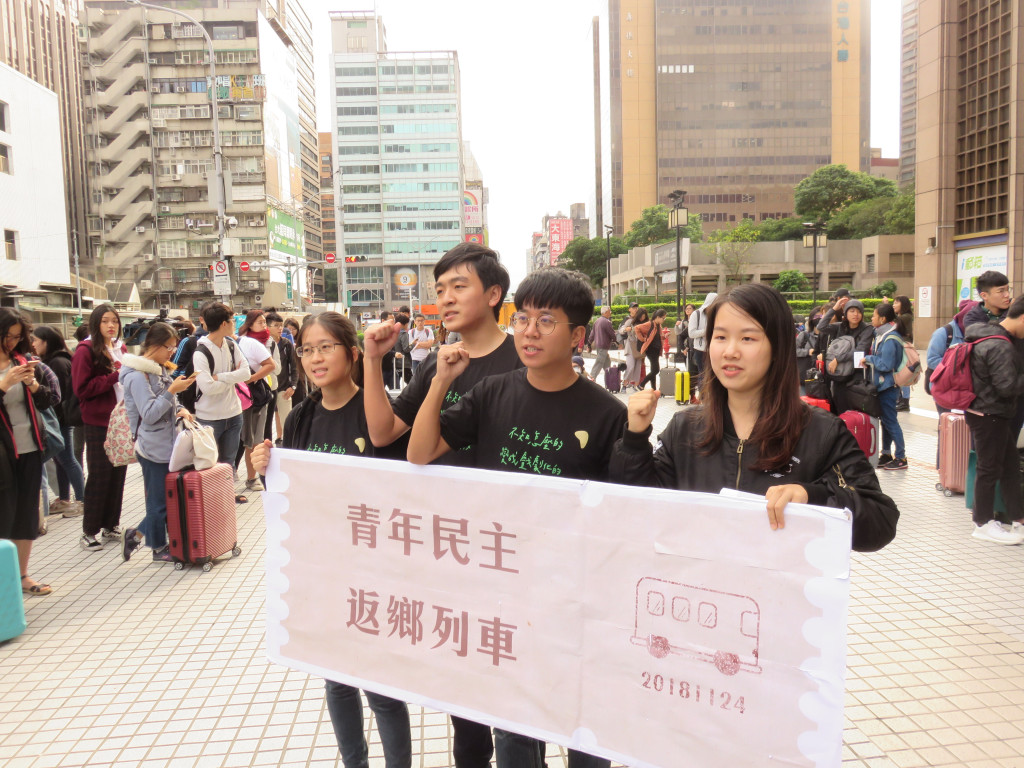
(221,278)
(244,266)
(329,258)
(220,268)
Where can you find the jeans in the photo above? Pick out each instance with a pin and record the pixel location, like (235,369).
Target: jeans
(602,360)
(517,751)
(346,709)
(69,471)
(154,525)
(905,393)
(998,462)
(227,433)
(472,745)
(891,429)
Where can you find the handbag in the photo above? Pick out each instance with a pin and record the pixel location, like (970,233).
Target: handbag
(242,389)
(862,396)
(195,446)
(119,444)
(816,386)
(51,428)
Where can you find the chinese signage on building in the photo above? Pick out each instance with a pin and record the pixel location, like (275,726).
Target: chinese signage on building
(472,205)
(284,233)
(559,236)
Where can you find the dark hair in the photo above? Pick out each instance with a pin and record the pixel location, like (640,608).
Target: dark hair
(10,318)
(82,332)
(52,338)
(906,308)
(1016,308)
(886,312)
(690,306)
(658,313)
(783,416)
(989,280)
(158,335)
(184,324)
(343,331)
(404,309)
(402,319)
(292,323)
(557,288)
(272,316)
(641,316)
(483,262)
(215,314)
(840,292)
(101,360)
(250,317)
(419,316)
(384,315)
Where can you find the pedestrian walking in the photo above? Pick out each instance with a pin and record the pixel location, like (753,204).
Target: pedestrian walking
(603,339)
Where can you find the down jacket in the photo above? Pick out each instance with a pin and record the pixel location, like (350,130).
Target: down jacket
(825,445)
(997,372)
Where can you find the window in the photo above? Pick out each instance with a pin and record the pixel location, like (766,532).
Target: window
(364,296)
(357,91)
(11,245)
(3,117)
(227,32)
(5,159)
(363,275)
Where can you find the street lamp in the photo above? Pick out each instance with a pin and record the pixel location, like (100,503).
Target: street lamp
(608,229)
(813,238)
(218,160)
(678,212)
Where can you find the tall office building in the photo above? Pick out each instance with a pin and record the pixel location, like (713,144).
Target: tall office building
(399,176)
(734,104)
(150,137)
(908,93)
(328,216)
(39,39)
(969,177)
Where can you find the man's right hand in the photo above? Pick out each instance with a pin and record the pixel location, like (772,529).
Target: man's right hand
(379,338)
(452,361)
(641,408)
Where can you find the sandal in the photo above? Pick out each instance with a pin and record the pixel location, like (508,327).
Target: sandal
(241,499)
(35,589)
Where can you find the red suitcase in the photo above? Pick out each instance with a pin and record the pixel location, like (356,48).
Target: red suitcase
(954,449)
(816,403)
(201,515)
(867,433)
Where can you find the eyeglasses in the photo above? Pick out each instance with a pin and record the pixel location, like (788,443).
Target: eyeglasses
(324,348)
(171,349)
(545,324)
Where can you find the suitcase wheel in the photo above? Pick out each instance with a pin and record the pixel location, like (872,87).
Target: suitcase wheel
(948,493)
(938,487)
(179,566)
(207,567)
(236,551)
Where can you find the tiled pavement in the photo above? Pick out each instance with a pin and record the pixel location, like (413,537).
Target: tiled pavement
(137,664)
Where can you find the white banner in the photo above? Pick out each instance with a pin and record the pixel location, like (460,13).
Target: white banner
(634,623)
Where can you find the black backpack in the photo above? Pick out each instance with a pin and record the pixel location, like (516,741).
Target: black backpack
(189,397)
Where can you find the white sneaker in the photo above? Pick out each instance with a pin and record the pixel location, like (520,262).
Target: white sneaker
(1017,529)
(90,543)
(254,485)
(993,531)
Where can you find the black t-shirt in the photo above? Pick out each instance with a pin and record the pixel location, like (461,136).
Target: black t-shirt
(407,404)
(343,431)
(518,428)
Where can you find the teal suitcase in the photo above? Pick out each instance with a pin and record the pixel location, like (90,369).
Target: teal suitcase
(12,603)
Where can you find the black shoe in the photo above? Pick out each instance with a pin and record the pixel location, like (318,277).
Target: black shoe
(902,405)
(896,464)
(884,459)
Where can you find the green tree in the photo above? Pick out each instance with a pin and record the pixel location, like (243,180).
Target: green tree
(777,230)
(899,220)
(589,256)
(732,249)
(888,288)
(791,281)
(832,187)
(652,227)
(865,218)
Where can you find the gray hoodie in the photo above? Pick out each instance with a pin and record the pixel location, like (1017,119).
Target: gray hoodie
(151,408)
(699,324)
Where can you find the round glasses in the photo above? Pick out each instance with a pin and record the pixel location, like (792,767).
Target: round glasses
(545,324)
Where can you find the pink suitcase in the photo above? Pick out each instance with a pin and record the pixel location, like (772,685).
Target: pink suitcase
(954,449)
(201,515)
(866,431)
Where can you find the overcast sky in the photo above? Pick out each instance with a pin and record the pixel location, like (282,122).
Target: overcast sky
(527,104)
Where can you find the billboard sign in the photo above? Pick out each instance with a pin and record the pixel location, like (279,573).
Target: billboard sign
(971,262)
(280,116)
(284,233)
(559,236)
(472,205)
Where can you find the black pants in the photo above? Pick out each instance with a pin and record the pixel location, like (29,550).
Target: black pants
(19,505)
(472,745)
(655,364)
(995,442)
(104,485)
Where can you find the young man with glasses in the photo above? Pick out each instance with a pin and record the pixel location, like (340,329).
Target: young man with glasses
(470,284)
(543,419)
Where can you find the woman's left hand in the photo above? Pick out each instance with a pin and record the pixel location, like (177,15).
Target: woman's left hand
(778,497)
(184,413)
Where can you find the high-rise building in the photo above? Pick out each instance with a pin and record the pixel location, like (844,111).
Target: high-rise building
(328,216)
(908,93)
(150,137)
(734,104)
(969,179)
(399,177)
(39,38)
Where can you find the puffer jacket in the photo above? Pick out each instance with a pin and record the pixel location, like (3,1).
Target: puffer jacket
(997,372)
(151,408)
(825,446)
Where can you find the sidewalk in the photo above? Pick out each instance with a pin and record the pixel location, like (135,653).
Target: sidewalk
(136,664)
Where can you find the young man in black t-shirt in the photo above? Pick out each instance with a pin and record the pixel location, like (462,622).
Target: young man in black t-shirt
(470,284)
(543,419)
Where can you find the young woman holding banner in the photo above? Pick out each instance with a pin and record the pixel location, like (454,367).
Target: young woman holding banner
(751,431)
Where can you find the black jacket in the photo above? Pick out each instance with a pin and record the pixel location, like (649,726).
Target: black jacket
(289,375)
(978,314)
(68,413)
(997,371)
(824,446)
(297,425)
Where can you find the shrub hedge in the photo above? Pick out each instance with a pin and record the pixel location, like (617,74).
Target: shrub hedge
(799,307)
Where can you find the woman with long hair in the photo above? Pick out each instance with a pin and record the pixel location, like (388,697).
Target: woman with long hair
(649,335)
(22,442)
(51,348)
(332,420)
(751,431)
(152,405)
(254,341)
(95,368)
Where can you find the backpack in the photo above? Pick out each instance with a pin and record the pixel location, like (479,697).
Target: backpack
(908,372)
(189,397)
(119,444)
(952,385)
(841,350)
(928,371)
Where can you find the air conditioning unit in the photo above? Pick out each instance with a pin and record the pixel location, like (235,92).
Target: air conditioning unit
(180,89)
(176,177)
(165,209)
(258,298)
(253,285)
(185,142)
(203,174)
(153,61)
(146,285)
(148,257)
(155,88)
(254,223)
(140,229)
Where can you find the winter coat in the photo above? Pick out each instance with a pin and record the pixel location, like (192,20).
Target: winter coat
(886,357)
(94,388)
(997,371)
(151,408)
(43,398)
(288,376)
(825,446)
(979,314)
